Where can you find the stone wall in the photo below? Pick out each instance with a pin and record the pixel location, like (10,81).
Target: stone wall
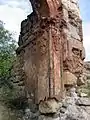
(18,77)
(51,48)
(84,83)
(87,70)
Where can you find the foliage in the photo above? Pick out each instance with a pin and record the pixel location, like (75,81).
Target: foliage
(7,55)
(11,99)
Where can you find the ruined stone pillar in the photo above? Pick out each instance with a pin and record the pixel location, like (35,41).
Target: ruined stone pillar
(51,41)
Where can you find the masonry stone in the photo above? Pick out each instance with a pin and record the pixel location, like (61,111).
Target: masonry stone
(51,48)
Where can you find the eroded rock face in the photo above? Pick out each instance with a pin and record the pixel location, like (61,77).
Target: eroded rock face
(51,41)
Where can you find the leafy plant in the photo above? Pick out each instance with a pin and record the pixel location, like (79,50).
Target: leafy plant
(7,55)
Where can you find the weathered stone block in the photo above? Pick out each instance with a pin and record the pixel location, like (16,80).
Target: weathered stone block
(49,106)
(74,32)
(69,78)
